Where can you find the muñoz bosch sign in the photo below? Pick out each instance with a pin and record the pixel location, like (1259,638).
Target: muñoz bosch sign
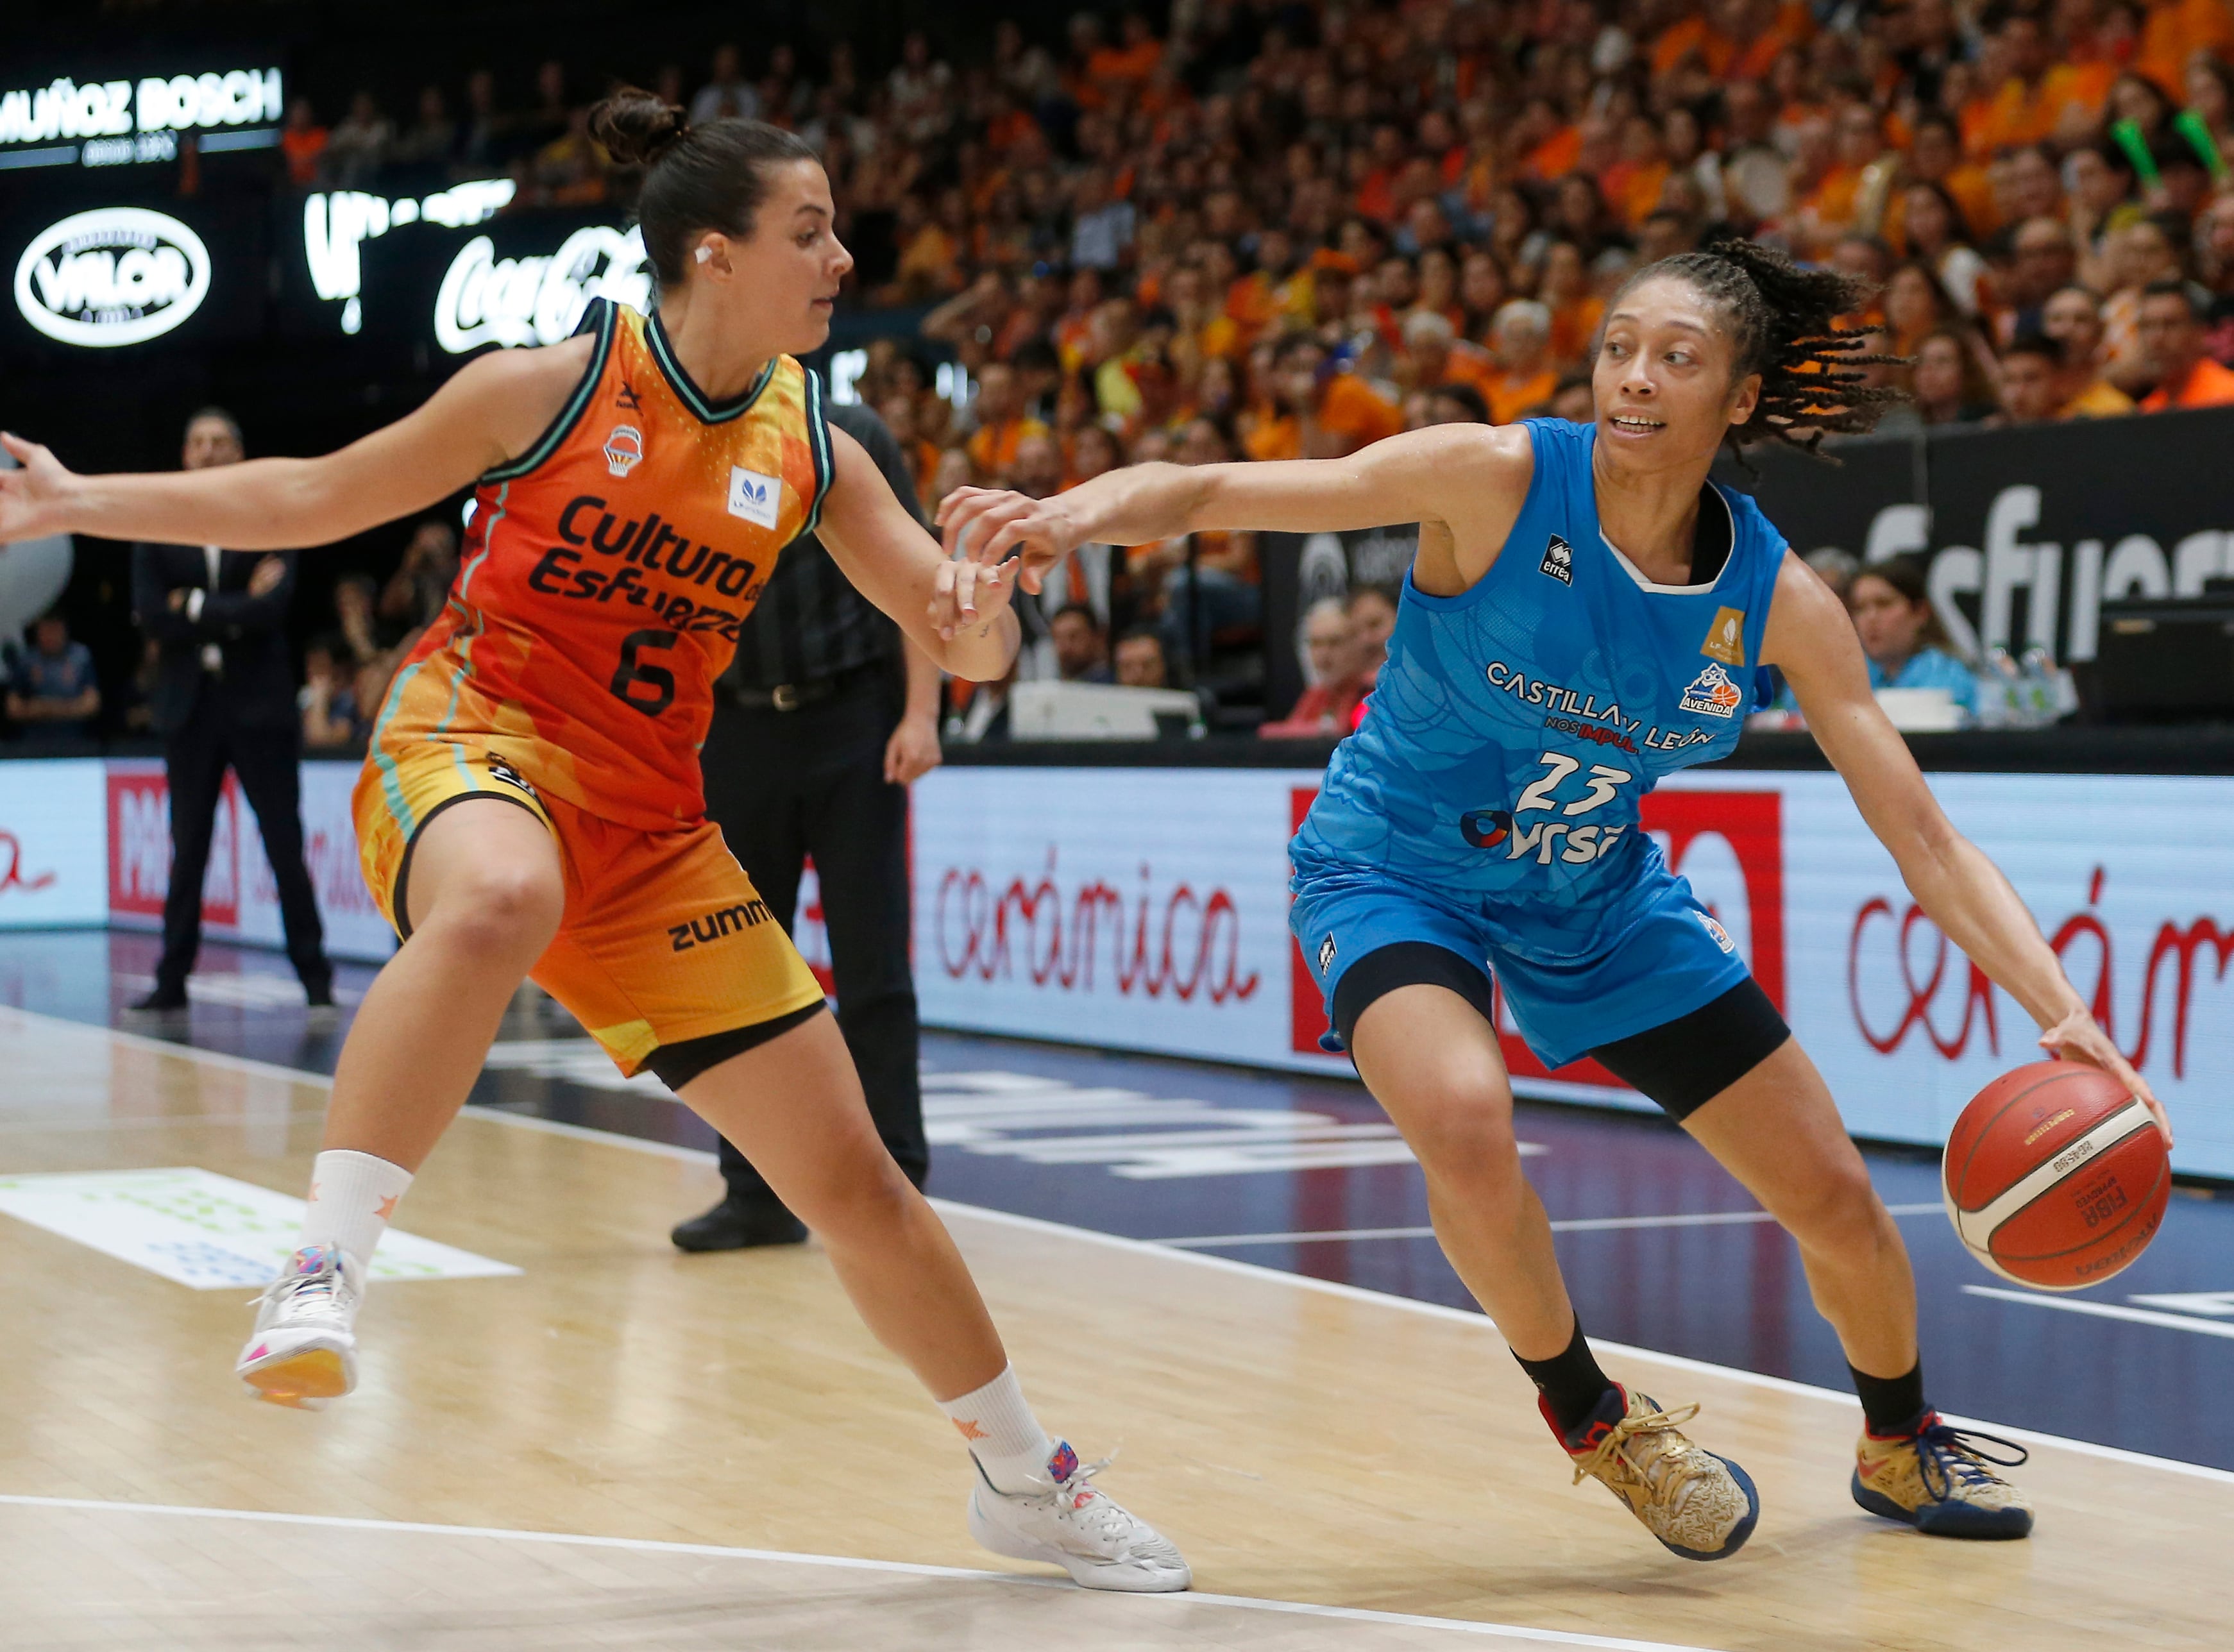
(118,274)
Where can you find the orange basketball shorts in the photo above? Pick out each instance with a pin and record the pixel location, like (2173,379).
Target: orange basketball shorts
(665,942)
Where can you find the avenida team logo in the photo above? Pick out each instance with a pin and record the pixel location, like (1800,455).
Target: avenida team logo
(118,274)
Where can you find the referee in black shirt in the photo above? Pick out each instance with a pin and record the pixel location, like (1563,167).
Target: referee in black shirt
(820,726)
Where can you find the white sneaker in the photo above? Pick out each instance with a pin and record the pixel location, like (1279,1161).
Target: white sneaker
(304,1352)
(1066,1521)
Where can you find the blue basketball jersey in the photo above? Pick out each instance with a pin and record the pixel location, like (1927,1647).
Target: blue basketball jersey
(1517,726)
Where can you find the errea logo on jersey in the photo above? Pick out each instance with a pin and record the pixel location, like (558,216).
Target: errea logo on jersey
(1559,561)
(756,497)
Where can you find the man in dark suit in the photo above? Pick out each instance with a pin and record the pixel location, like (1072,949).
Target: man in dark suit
(224,698)
(820,725)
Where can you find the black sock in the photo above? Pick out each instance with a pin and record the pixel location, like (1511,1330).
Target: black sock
(1891,1404)
(1571,1382)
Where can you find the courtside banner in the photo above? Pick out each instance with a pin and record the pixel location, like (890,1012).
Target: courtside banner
(240,901)
(1146,910)
(51,844)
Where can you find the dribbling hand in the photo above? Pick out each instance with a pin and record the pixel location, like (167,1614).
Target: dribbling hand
(985,523)
(2077,1038)
(34,501)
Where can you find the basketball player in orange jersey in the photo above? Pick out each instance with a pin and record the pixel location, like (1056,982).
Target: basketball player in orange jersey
(532,804)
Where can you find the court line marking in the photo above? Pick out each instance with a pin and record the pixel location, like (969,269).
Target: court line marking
(847,1563)
(2105,1310)
(1579,1225)
(1198,1259)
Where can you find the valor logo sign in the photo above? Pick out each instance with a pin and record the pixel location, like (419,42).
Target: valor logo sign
(118,274)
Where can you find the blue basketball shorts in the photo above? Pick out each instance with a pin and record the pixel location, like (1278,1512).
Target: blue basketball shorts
(1666,956)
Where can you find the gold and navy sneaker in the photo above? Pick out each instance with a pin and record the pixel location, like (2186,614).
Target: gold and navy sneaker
(1936,1479)
(1700,1505)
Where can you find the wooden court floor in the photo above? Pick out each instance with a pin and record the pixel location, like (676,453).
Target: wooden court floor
(698,1419)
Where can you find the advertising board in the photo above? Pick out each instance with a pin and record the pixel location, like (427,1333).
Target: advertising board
(240,902)
(1147,910)
(52,845)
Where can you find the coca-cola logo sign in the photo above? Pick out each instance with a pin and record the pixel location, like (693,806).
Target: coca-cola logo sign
(537,300)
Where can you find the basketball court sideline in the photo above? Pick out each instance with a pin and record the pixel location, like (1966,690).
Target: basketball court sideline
(614,1443)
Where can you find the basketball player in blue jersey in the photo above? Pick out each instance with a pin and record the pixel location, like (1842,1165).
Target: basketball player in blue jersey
(1587,613)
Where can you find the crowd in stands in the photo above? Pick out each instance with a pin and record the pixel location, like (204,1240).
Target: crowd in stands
(1263,229)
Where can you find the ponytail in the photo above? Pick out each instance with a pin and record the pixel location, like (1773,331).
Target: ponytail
(696,177)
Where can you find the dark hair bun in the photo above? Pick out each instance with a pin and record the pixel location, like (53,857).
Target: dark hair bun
(636,126)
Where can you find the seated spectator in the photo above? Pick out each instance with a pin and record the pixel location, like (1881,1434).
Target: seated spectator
(356,605)
(1002,423)
(2171,343)
(1324,412)
(416,591)
(1457,404)
(1906,645)
(1574,401)
(53,694)
(728,95)
(328,699)
(2073,316)
(303,141)
(421,155)
(357,148)
(1372,610)
(1339,681)
(1081,647)
(1520,338)
(2032,382)
(1948,384)
(1209,579)
(1141,661)
(982,711)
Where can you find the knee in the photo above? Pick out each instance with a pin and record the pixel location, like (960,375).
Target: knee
(1466,1135)
(1838,1209)
(860,1197)
(499,911)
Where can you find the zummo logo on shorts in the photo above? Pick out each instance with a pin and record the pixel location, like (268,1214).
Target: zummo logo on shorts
(118,274)
(728,921)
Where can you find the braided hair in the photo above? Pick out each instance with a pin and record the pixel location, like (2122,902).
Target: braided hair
(1782,321)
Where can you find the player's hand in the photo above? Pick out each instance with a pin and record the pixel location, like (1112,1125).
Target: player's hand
(913,752)
(2076,1038)
(965,593)
(986,523)
(265,580)
(34,501)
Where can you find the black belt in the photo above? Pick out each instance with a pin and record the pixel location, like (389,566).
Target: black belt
(794,696)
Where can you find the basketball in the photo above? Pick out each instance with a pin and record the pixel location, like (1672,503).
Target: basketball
(2055,1176)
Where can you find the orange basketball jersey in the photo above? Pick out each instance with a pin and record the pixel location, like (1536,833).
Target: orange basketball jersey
(605,574)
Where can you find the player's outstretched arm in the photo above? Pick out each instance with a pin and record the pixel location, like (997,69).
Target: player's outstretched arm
(1812,641)
(957,612)
(1436,475)
(491,411)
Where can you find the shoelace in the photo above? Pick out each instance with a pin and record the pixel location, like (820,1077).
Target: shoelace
(1099,1513)
(327,1283)
(1955,1454)
(1614,1447)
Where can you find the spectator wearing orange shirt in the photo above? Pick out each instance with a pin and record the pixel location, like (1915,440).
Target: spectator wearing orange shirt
(1435,355)
(1575,310)
(1001,424)
(1935,156)
(1325,413)
(2073,316)
(1520,338)
(2172,342)
(303,140)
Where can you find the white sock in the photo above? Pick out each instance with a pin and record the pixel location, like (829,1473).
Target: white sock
(352,1196)
(1004,1436)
